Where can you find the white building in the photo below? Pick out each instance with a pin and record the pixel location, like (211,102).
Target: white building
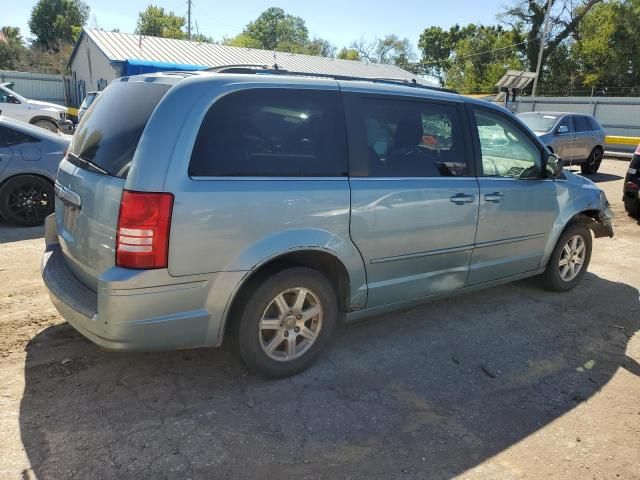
(100,56)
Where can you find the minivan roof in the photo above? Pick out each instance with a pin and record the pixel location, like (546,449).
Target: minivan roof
(556,114)
(388,86)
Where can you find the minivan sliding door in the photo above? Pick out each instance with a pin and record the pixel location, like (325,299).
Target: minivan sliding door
(414,199)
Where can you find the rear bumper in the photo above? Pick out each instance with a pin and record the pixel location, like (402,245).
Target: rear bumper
(123,315)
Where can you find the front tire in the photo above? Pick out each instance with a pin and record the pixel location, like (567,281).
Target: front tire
(592,164)
(26,200)
(47,125)
(287,321)
(569,260)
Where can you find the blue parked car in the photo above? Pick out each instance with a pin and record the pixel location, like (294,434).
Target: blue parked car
(267,207)
(29,159)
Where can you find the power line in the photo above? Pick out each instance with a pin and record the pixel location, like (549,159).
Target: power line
(457,58)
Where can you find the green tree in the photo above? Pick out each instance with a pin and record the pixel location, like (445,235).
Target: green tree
(12,49)
(276,30)
(348,54)
(527,17)
(156,22)
(436,45)
(480,56)
(389,49)
(321,48)
(55,22)
(607,51)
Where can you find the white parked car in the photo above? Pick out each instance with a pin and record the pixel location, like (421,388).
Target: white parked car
(42,114)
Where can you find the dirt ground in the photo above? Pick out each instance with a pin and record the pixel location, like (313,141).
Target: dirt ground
(509,383)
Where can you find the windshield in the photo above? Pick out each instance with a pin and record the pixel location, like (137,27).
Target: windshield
(109,132)
(88,100)
(539,123)
(8,91)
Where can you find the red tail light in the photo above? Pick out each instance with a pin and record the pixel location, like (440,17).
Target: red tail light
(142,239)
(632,186)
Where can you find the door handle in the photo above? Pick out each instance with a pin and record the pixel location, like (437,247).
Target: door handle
(494,197)
(462,198)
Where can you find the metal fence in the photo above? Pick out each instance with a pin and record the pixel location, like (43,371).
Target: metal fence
(36,86)
(619,116)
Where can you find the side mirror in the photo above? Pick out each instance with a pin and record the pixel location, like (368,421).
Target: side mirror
(553,166)
(562,129)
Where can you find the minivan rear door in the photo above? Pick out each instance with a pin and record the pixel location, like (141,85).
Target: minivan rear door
(92,176)
(414,196)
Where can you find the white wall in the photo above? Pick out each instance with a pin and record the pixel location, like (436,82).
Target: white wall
(91,65)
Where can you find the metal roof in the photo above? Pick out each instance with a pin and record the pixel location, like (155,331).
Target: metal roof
(516,79)
(120,47)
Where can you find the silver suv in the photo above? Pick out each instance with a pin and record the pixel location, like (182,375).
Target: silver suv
(267,207)
(577,139)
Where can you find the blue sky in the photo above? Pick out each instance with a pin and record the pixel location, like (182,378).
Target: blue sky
(339,21)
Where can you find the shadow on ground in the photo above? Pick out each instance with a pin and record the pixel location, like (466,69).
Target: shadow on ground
(427,393)
(604,177)
(9,233)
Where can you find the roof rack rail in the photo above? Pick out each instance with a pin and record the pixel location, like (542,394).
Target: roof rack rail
(276,70)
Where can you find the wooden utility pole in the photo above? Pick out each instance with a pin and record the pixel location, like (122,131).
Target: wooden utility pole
(189,19)
(543,40)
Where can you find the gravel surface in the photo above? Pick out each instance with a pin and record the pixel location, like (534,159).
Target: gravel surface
(511,382)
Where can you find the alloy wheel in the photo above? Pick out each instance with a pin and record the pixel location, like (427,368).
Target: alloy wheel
(572,258)
(29,203)
(290,324)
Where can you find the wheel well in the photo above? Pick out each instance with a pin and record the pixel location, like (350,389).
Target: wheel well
(43,117)
(323,262)
(588,217)
(44,177)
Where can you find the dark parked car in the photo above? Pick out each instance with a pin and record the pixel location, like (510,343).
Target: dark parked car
(577,139)
(632,186)
(29,159)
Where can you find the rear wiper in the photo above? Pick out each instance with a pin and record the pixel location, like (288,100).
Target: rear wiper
(87,164)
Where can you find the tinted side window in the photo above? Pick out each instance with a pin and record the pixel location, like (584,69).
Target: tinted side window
(412,139)
(593,123)
(506,150)
(581,124)
(272,132)
(10,137)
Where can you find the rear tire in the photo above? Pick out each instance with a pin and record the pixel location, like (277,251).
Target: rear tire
(287,321)
(632,207)
(569,260)
(592,164)
(47,125)
(26,200)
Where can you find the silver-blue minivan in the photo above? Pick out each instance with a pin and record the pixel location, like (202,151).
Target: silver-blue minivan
(266,207)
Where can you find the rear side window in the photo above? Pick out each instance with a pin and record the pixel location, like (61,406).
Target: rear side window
(581,123)
(593,123)
(109,133)
(412,139)
(272,132)
(10,137)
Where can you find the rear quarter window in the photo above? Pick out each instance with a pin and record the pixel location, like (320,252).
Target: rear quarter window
(272,132)
(10,137)
(581,123)
(110,131)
